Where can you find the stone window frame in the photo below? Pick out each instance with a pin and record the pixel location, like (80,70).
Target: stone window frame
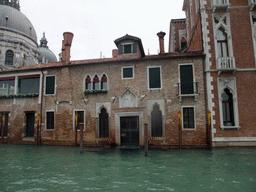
(253,27)
(182,117)
(161,79)
(54,85)
(54,115)
(227,29)
(150,105)
(99,107)
(92,77)
(12,61)
(122,72)
(229,83)
(74,119)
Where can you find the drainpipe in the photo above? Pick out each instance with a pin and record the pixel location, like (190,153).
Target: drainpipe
(41,108)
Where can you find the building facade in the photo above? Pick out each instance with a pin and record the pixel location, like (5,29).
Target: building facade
(225,31)
(110,99)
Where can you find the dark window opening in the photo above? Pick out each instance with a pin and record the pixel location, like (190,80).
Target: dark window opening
(156,122)
(154,77)
(50,85)
(227,108)
(128,48)
(88,83)
(128,72)
(49,120)
(9,57)
(80,118)
(104,82)
(186,79)
(103,124)
(30,122)
(30,85)
(188,118)
(5,123)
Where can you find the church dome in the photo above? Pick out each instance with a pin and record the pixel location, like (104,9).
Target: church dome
(45,54)
(13,20)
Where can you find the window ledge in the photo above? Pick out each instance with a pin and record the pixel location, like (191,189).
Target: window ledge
(187,95)
(230,127)
(19,96)
(220,6)
(156,138)
(87,92)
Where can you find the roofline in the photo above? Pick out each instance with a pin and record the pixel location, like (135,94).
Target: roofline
(101,61)
(184,7)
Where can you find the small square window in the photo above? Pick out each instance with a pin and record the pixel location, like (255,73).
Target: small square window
(50,85)
(127,48)
(127,72)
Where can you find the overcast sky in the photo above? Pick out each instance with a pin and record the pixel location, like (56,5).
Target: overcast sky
(97,23)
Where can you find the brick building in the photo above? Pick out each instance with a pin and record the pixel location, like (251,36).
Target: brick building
(112,97)
(225,31)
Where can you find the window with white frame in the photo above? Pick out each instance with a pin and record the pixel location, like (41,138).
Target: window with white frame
(50,120)
(88,83)
(156,122)
(97,82)
(228,103)
(154,78)
(104,82)
(127,72)
(50,85)
(188,116)
(127,48)
(223,41)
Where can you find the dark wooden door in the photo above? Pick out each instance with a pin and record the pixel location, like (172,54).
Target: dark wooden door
(129,130)
(30,121)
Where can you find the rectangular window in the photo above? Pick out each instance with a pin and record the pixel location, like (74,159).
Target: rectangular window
(80,119)
(127,48)
(154,77)
(5,123)
(50,120)
(50,85)
(29,85)
(7,87)
(127,72)
(188,118)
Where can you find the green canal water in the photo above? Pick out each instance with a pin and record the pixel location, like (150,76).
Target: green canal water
(48,168)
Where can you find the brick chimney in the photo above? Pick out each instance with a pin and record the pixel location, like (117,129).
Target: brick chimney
(66,45)
(161,41)
(115,53)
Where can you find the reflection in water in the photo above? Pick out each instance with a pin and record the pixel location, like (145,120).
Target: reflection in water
(46,168)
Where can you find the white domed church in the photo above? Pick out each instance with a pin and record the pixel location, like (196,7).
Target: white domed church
(18,39)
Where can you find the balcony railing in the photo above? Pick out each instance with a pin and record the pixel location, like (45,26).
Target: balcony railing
(252,3)
(188,90)
(226,64)
(220,4)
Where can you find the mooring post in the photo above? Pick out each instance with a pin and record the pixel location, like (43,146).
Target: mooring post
(2,128)
(81,126)
(180,130)
(209,129)
(146,138)
(76,117)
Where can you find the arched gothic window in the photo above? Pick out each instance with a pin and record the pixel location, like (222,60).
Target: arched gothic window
(96,83)
(227,108)
(156,122)
(88,83)
(9,57)
(222,42)
(103,124)
(104,81)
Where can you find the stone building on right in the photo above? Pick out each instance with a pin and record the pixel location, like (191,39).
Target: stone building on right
(226,32)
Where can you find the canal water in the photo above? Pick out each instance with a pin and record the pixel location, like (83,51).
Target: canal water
(55,168)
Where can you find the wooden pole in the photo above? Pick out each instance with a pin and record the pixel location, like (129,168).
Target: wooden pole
(146,138)
(81,126)
(37,132)
(209,129)
(2,130)
(76,117)
(180,130)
